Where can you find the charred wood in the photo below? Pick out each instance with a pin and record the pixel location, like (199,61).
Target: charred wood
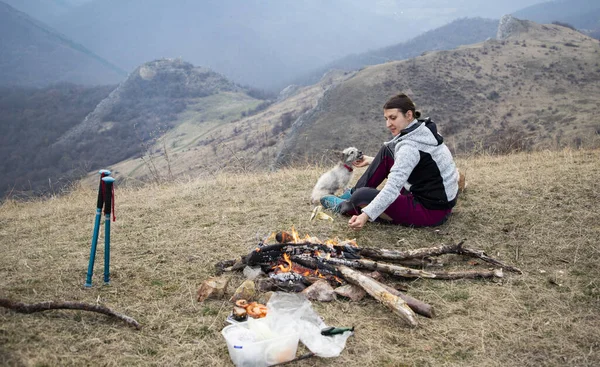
(314,264)
(273,285)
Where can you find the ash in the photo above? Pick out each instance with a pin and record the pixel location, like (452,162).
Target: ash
(286,277)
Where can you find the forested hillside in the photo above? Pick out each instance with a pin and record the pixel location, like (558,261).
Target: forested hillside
(31,120)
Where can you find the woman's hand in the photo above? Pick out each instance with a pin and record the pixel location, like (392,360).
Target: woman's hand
(358,221)
(365,161)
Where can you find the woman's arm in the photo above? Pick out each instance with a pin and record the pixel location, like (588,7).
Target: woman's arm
(406,158)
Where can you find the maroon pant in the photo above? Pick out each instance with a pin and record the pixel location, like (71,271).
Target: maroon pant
(405,210)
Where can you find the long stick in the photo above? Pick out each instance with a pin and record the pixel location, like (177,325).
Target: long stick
(469,274)
(394,255)
(481,255)
(55,305)
(396,270)
(377,291)
(99,203)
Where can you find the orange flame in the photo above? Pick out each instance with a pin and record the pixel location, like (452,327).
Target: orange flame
(284,268)
(295,235)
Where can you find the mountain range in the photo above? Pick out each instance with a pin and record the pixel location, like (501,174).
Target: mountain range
(263,43)
(267,44)
(529,89)
(185,119)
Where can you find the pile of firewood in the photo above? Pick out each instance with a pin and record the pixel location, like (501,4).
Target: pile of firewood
(315,268)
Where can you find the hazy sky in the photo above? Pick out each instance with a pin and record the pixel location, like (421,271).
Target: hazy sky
(281,37)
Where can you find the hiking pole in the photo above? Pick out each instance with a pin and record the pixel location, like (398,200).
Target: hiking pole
(109,202)
(88,281)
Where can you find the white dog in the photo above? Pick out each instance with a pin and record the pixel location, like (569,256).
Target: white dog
(338,177)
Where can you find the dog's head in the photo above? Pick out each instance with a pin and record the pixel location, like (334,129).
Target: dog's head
(351,154)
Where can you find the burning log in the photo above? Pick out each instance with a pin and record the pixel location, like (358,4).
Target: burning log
(380,293)
(314,264)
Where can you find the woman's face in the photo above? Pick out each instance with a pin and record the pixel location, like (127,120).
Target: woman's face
(395,121)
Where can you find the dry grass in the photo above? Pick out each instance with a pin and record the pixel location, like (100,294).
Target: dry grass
(538,211)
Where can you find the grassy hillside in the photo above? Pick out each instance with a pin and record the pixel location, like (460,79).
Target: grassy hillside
(532,90)
(537,211)
(225,131)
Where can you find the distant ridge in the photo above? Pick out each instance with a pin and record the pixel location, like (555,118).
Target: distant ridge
(33,54)
(581,14)
(463,31)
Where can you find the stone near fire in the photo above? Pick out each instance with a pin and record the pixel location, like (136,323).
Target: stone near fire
(215,287)
(252,273)
(355,293)
(246,290)
(265,297)
(320,291)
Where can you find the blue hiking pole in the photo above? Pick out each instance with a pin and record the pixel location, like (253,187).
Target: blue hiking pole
(88,281)
(109,202)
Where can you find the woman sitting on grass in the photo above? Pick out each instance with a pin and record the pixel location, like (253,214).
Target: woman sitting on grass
(415,156)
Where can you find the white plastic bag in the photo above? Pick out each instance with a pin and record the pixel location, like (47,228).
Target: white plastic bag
(296,309)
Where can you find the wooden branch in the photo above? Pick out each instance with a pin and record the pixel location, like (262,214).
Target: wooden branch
(377,291)
(403,272)
(397,256)
(55,305)
(468,274)
(481,255)
(394,255)
(396,270)
(416,305)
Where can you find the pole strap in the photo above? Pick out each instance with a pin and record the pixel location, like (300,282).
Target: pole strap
(113,202)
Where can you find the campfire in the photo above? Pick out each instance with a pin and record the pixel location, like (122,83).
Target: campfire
(306,264)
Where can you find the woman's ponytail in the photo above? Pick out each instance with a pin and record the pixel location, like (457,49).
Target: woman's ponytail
(403,103)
